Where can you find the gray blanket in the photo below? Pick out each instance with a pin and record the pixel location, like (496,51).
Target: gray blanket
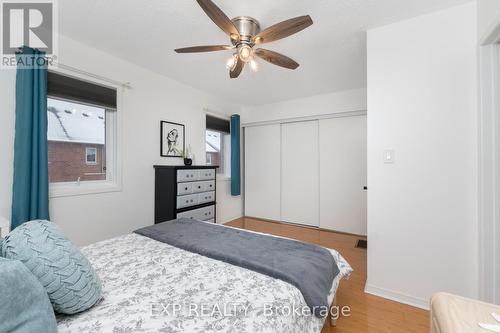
(308,267)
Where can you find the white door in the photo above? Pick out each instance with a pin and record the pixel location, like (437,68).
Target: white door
(262,171)
(343,174)
(300,173)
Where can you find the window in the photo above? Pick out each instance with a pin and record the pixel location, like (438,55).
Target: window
(218,145)
(91,155)
(81,136)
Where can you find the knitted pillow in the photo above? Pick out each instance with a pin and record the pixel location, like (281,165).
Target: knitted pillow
(68,277)
(25,306)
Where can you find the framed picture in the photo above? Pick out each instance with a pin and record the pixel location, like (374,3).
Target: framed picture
(172,139)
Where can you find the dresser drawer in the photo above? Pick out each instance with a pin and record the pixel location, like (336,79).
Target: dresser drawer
(188,175)
(206,174)
(184,188)
(187,200)
(202,214)
(210,185)
(203,186)
(206,197)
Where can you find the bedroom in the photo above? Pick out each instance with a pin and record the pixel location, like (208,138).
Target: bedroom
(386,131)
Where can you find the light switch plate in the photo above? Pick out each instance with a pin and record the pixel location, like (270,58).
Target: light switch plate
(389,156)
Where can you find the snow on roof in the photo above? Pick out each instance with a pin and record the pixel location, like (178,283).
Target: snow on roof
(213,142)
(73,122)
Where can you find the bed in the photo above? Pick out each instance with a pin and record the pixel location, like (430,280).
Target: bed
(150,286)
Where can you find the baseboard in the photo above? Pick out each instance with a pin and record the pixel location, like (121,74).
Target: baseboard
(398,297)
(230,219)
(303,226)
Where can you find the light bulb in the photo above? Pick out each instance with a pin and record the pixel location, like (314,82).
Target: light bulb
(254,65)
(231,62)
(245,53)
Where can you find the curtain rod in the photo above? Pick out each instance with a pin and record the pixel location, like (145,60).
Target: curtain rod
(95,76)
(80,71)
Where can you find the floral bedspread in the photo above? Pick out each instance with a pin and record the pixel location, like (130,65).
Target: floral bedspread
(149,286)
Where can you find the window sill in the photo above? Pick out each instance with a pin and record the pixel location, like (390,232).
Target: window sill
(73,189)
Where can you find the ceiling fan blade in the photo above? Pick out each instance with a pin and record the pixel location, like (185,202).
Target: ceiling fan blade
(219,18)
(208,48)
(276,58)
(283,29)
(238,68)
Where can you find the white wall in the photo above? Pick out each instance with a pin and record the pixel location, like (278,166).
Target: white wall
(488,16)
(7,123)
(153,97)
(422,210)
(342,101)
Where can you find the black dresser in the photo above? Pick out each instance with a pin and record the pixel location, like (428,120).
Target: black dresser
(185,191)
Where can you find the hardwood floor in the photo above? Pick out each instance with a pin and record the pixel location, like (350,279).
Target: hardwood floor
(368,313)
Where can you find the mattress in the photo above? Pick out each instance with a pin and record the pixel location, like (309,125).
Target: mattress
(149,286)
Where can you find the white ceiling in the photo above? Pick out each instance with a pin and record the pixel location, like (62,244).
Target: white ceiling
(332,52)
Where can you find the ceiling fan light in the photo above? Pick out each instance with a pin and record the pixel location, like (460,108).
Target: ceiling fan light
(245,53)
(254,65)
(231,62)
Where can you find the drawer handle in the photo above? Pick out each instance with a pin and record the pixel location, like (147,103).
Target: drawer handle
(199,186)
(185,188)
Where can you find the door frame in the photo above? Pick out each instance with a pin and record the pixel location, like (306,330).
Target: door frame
(489,167)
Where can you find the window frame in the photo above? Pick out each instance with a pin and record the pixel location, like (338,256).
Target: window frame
(226,157)
(114,120)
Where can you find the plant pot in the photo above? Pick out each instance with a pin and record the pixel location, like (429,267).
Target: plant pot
(188,161)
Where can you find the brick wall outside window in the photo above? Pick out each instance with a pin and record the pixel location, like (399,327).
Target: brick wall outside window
(67,162)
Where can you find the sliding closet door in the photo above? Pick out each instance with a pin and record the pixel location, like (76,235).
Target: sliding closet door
(299,173)
(262,171)
(343,174)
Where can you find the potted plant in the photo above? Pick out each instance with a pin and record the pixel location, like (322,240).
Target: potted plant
(186,154)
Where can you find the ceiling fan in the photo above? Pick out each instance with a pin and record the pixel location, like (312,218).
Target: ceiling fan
(245,34)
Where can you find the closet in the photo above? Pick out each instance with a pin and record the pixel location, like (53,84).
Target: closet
(299,173)
(263,171)
(308,172)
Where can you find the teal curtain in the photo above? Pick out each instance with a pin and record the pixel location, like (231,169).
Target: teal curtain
(235,156)
(30,194)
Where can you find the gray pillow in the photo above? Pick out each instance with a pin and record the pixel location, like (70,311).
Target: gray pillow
(25,306)
(68,278)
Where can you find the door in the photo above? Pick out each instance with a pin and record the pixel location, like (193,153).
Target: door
(300,173)
(262,171)
(343,174)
